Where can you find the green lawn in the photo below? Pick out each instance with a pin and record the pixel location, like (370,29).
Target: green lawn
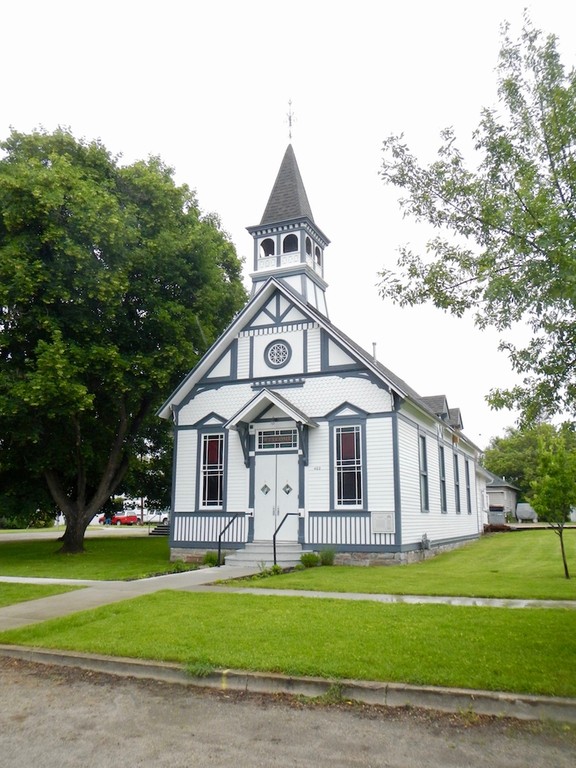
(524,564)
(525,650)
(18,593)
(106,558)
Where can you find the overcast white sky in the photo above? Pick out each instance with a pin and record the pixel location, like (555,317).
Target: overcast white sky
(206,85)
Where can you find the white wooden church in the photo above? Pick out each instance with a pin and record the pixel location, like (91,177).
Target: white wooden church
(287,432)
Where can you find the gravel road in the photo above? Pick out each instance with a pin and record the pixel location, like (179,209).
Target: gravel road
(58,717)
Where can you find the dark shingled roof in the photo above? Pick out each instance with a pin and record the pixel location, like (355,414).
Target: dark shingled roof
(288,199)
(437,404)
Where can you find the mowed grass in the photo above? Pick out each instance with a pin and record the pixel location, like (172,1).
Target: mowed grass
(524,564)
(19,593)
(525,650)
(112,559)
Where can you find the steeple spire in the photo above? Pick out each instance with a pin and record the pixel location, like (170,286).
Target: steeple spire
(288,199)
(287,243)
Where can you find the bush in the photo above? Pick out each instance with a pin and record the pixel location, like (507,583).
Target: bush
(210,559)
(309,559)
(327,556)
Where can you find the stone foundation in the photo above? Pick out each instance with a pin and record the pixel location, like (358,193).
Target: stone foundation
(193,555)
(341,558)
(394,558)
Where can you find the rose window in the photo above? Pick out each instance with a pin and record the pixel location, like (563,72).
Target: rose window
(278,354)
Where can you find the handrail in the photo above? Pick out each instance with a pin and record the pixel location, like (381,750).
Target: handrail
(296,514)
(222,532)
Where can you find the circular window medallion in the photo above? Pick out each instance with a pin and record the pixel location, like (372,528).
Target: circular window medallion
(277,354)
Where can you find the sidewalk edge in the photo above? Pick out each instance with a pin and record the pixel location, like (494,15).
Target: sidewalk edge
(458,700)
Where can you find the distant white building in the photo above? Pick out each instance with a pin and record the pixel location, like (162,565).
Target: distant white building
(288,430)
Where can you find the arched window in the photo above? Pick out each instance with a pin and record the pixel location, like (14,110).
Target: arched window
(267,247)
(318,255)
(290,244)
(308,247)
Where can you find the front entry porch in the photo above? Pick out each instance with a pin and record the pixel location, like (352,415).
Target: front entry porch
(260,554)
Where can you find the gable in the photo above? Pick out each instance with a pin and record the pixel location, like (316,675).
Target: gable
(336,356)
(346,410)
(277,311)
(210,420)
(276,314)
(225,366)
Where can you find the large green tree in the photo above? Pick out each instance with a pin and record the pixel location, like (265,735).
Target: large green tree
(149,476)
(505,220)
(516,455)
(112,284)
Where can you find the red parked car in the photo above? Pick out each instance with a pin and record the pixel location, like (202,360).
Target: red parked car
(121,518)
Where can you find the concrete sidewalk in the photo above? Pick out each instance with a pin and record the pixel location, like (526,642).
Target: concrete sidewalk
(97,593)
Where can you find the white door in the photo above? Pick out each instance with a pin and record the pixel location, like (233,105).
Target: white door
(275,494)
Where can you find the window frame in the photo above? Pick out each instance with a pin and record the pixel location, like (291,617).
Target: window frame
(210,470)
(423,468)
(457,484)
(442,470)
(280,445)
(357,467)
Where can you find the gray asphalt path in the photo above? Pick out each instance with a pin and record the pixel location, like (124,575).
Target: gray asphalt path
(65,718)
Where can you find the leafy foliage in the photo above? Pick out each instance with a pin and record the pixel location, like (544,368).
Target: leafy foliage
(506,238)
(515,456)
(554,490)
(112,284)
(310,559)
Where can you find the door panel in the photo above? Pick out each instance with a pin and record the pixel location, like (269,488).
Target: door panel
(275,494)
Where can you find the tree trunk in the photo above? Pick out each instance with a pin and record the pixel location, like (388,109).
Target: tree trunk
(561,534)
(73,538)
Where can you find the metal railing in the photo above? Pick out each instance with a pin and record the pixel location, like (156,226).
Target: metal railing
(222,532)
(288,514)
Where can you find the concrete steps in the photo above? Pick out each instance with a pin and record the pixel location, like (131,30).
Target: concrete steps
(260,554)
(160,530)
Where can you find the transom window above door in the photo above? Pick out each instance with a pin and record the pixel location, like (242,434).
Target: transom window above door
(277,439)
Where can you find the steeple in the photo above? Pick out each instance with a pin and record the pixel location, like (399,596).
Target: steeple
(287,242)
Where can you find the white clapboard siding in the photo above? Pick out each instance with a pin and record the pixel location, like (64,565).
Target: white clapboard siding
(237,476)
(380,464)
(433,465)
(318,469)
(185,471)
(314,355)
(243,357)
(409,471)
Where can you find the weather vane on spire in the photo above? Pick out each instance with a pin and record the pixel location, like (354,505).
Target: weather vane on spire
(291,119)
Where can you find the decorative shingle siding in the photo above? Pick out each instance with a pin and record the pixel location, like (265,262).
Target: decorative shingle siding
(318,397)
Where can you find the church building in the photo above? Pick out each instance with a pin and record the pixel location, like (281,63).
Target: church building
(289,437)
